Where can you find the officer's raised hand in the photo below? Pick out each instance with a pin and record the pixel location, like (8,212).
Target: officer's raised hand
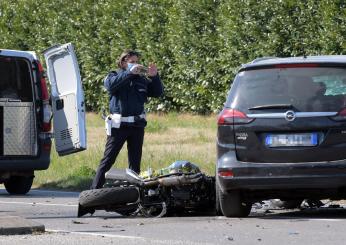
(152,70)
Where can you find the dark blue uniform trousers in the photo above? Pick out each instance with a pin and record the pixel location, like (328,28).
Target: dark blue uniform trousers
(134,138)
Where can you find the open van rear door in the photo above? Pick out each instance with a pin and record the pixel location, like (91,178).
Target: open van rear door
(67,99)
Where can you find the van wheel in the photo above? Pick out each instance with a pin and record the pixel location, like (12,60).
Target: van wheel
(232,205)
(19,184)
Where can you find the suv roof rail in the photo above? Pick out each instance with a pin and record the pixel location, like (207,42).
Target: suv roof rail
(263,58)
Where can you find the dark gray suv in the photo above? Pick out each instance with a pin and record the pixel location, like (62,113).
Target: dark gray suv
(282,133)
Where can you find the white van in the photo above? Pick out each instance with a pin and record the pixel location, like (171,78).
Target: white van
(26,110)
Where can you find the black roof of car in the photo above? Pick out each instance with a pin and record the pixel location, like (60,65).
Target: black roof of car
(269,61)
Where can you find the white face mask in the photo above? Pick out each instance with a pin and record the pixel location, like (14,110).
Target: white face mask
(130,65)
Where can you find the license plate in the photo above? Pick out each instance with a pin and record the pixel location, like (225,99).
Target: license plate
(303,139)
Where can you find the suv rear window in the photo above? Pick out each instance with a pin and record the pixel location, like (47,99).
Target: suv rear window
(305,88)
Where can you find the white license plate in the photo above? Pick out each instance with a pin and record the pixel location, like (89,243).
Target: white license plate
(302,139)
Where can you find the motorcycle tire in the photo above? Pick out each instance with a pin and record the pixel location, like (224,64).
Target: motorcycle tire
(108,196)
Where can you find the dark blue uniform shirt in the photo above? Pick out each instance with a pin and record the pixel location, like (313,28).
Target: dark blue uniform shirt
(128,93)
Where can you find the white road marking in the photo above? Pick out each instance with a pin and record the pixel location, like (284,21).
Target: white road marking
(40,203)
(142,239)
(96,234)
(325,219)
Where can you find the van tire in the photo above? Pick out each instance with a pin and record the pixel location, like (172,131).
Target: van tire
(18,185)
(108,196)
(232,205)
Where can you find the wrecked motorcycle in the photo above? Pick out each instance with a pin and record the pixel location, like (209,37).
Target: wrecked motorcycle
(179,189)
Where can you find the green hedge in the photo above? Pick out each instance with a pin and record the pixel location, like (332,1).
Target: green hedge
(197,44)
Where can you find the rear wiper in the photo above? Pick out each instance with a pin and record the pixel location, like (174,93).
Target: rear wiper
(272,106)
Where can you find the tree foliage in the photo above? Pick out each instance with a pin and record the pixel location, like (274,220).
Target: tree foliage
(198,45)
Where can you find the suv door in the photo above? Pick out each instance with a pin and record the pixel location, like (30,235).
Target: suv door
(67,99)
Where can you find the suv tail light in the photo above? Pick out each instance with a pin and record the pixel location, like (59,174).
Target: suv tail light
(226,173)
(47,109)
(232,116)
(341,116)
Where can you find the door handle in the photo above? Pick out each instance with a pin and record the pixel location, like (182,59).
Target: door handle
(59,104)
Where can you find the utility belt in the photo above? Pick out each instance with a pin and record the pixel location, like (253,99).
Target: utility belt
(114,121)
(132,119)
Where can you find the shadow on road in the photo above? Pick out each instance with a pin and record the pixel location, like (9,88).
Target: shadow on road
(309,213)
(70,183)
(38,193)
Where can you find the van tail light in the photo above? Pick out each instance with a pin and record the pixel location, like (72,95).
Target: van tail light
(47,146)
(47,116)
(232,116)
(43,83)
(47,109)
(341,116)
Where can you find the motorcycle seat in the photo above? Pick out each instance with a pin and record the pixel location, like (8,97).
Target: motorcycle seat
(116,174)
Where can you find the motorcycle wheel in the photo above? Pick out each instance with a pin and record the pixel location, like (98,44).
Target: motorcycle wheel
(108,196)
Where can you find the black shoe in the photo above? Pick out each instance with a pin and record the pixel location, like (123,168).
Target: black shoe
(83,211)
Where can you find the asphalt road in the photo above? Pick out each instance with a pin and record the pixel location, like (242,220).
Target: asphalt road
(57,211)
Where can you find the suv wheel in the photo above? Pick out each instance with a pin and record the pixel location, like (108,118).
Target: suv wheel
(232,205)
(18,184)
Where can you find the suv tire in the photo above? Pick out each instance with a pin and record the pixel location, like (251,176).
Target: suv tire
(18,184)
(232,205)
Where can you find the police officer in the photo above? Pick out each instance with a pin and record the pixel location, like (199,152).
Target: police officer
(128,90)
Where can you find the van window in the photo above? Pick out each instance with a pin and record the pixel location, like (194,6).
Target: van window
(15,79)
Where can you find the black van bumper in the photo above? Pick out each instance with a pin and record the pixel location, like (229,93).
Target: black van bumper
(28,163)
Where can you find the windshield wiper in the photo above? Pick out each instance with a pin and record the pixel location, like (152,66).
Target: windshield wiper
(272,106)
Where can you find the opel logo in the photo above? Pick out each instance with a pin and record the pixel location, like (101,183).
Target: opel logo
(290,116)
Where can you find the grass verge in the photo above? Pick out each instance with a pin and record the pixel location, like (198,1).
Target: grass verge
(168,138)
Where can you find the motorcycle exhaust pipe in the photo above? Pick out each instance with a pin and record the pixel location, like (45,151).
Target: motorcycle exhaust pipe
(180,180)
